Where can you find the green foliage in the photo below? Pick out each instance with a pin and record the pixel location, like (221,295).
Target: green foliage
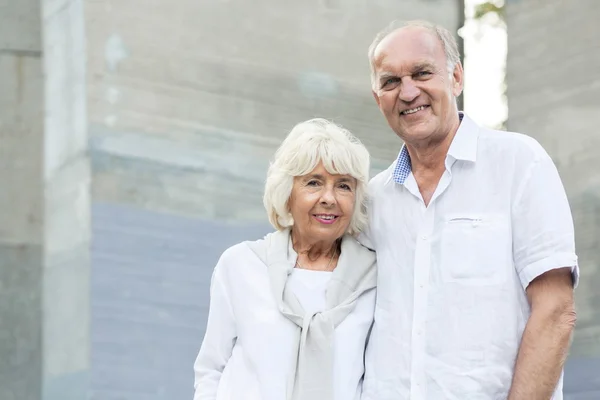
(487,8)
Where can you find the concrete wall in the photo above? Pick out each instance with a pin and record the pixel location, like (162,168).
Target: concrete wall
(553,78)
(67,202)
(21,211)
(150,298)
(44,202)
(206,90)
(187,103)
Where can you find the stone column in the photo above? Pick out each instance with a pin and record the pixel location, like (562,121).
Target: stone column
(66,309)
(44,202)
(21,200)
(553,78)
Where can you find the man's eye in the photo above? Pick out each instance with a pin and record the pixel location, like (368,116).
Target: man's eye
(390,81)
(422,74)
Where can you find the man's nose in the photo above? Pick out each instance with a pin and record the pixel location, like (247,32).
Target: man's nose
(408,90)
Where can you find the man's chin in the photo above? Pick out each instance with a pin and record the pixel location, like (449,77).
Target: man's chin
(415,132)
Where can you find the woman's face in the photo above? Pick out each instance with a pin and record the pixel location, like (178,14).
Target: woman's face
(322,205)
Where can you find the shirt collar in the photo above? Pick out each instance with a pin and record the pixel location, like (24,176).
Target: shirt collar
(403,166)
(464,144)
(463,147)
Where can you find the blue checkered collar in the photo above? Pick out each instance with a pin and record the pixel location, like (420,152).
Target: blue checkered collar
(403,166)
(463,147)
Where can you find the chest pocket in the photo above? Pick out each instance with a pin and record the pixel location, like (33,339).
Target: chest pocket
(476,249)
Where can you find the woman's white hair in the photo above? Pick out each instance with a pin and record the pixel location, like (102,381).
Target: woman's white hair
(310,142)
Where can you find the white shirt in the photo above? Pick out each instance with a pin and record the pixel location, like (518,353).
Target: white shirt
(248,348)
(451,302)
(310,288)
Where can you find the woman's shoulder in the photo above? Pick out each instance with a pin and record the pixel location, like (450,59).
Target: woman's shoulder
(234,255)
(243,255)
(233,263)
(234,251)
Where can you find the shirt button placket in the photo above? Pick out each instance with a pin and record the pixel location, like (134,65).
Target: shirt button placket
(421,287)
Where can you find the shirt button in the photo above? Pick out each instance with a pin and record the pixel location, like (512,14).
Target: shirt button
(424,237)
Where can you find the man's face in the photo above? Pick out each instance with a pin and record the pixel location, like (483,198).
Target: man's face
(413,87)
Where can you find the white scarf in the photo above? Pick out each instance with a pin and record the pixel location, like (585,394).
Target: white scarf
(355,274)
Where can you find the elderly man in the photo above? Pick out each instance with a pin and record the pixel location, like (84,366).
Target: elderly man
(474,239)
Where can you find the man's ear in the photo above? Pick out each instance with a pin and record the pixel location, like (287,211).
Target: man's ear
(458,78)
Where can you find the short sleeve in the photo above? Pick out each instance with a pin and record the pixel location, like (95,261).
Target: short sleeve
(543,234)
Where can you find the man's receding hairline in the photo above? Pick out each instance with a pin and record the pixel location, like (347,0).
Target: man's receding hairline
(377,56)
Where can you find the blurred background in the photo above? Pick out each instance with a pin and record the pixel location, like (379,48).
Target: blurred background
(135,137)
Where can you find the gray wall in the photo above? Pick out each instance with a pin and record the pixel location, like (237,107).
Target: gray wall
(151,276)
(21,212)
(553,79)
(206,90)
(44,202)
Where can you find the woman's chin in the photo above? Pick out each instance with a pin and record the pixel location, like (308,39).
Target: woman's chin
(326,233)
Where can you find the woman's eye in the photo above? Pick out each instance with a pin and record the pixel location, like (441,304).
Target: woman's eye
(345,186)
(312,183)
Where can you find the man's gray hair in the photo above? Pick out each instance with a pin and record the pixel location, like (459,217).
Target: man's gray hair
(310,142)
(446,38)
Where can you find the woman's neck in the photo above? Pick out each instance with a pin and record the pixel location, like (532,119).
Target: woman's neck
(317,255)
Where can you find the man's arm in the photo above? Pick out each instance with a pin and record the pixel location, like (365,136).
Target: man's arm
(547,336)
(545,260)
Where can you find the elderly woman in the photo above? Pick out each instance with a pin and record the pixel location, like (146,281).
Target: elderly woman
(290,314)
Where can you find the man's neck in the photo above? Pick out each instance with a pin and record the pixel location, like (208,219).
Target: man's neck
(428,162)
(431,155)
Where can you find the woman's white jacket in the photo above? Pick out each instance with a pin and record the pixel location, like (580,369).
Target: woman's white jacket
(259,345)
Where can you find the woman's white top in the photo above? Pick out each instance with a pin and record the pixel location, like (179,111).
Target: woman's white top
(248,349)
(309,287)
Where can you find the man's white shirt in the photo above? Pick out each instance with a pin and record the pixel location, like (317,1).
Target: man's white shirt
(451,301)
